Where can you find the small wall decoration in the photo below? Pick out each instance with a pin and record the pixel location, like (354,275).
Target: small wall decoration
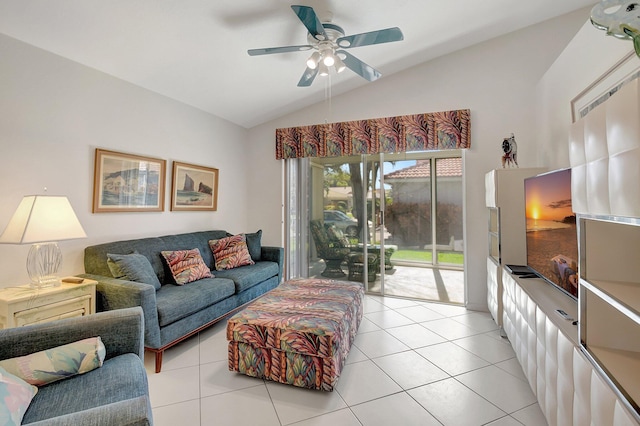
(510,149)
(619,18)
(194,188)
(127,183)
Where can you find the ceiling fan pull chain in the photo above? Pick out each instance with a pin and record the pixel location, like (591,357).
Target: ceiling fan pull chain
(327,100)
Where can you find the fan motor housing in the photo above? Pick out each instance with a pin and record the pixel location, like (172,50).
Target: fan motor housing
(332,31)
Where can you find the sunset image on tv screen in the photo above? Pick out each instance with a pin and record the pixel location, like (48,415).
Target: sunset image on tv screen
(552,243)
(548,201)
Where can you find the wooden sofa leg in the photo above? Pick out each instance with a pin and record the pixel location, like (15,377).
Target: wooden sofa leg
(159,361)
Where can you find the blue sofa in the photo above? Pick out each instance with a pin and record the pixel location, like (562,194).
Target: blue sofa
(173,312)
(115,394)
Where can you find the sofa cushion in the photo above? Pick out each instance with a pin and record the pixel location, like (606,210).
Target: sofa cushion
(186,265)
(190,240)
(120,378)
(132,267)
(246,277)
(230,252)
(15,397)
(254,244)
(177,302)
(60,362)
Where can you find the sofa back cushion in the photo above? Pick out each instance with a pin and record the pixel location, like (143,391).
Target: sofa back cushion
(132,267)
(95,257)
(254,244)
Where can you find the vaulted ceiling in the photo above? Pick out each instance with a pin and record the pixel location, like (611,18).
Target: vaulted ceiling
(195,51)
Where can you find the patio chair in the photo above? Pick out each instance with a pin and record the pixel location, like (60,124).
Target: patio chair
(330,247)
(355,263)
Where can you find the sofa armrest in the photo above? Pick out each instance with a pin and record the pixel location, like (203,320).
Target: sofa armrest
(129,412)
(274,254)
(114,293)
(121,332)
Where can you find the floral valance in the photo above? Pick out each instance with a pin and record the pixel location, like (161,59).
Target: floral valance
(418,132)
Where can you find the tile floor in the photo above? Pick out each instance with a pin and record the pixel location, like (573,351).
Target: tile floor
(412,363)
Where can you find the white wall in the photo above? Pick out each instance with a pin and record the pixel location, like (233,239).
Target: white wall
(588,56)
(496,80)
(55,112)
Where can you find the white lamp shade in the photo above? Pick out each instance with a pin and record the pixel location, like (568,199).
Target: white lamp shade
(340,66)
(313,60)
(323,70)
(42,218)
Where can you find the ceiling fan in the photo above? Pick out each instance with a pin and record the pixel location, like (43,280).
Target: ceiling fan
(328,42)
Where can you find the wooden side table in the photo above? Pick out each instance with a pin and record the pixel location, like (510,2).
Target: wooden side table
(24,305)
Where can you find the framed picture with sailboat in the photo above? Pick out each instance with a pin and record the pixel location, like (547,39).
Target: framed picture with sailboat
(194,188)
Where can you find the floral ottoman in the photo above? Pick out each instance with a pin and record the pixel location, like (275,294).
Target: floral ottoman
(299,333)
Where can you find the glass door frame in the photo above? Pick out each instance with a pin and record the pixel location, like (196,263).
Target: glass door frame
(297,195)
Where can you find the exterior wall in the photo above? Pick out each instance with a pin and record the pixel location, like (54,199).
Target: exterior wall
(412,191)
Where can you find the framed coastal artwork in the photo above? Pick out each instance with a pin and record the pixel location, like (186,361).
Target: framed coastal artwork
(127,183)
(194,188)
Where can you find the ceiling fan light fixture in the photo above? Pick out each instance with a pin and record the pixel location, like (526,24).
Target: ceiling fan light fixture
(313,60)
(339,65)
(328,59)
(323,70)
(326,41)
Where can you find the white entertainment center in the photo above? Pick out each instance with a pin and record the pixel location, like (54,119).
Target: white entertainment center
(505,201)
(584,370)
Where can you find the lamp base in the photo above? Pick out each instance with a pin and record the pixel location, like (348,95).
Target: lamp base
(43,262)
(54,282)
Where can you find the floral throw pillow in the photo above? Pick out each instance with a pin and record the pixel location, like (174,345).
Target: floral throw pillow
(231,252)
(57,363)
(186,265)
(15,397)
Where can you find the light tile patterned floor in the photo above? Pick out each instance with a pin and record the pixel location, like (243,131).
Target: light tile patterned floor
(413,363)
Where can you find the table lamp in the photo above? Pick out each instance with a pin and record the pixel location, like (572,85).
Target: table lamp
(42,220)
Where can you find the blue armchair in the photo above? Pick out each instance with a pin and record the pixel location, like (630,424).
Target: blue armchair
(115,394)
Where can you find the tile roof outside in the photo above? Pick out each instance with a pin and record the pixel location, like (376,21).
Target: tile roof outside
(446,167)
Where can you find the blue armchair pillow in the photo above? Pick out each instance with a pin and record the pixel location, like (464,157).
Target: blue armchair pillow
(15,397)
(133,267)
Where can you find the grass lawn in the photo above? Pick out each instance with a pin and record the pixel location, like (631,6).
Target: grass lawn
(455,258)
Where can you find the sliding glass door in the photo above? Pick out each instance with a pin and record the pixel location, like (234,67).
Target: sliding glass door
(373,219)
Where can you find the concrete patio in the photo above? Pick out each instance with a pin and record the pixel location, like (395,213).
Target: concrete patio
(417,282)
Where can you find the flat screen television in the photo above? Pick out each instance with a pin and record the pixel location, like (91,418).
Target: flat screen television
(552,238)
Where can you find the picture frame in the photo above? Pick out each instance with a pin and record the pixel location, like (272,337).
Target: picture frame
(194,188)
(128,182)
(605,86)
